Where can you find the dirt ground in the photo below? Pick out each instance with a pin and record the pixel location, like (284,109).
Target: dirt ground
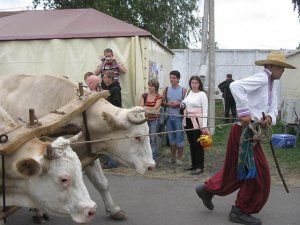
(213,162)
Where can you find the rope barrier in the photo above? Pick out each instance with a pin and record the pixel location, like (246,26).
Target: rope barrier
(187,116)
(158,133)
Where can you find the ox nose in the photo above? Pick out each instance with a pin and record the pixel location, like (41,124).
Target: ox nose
(151,166)
(92,212)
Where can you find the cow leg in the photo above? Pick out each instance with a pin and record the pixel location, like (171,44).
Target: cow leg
(95,174)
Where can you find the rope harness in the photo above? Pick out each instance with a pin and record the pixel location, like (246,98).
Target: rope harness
(260,134)
(251,134)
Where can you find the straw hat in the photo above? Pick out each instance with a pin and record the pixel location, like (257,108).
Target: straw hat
(275,58)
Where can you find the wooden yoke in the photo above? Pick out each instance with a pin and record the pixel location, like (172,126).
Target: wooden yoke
(50,122)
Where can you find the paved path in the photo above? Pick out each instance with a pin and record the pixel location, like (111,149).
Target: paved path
(174,202)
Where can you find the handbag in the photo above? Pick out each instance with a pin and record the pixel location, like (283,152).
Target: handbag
(181,111)
(162,115)
(182,106)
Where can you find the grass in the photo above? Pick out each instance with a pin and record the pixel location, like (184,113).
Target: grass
(288,158)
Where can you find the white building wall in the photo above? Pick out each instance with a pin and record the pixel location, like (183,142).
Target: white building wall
(291,78)
(238,62)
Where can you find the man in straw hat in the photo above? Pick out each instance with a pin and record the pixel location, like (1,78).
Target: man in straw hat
(245,167)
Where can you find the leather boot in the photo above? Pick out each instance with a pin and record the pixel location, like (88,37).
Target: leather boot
(205,196)
(237,216)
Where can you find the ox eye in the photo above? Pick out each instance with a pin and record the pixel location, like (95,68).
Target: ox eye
(65,180)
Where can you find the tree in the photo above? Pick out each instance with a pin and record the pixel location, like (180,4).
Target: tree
(297,5)
(173,22)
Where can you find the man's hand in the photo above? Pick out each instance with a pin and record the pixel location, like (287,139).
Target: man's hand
(174,104)
(266,121)
(245,120)
(204,131)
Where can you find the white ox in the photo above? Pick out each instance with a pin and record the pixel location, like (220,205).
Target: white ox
(105,121)
(46,176)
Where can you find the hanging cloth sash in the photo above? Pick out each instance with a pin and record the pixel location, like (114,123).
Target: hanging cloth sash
(246,163)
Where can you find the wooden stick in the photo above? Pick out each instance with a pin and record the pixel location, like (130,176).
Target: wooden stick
(276,161)
(80,88)
(50,122)
(31,117)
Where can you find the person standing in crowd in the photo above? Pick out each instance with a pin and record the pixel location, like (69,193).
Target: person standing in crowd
(109,62)
(115,99)
(172,98)
(93,82)
(86,75)
(195,106)
(152,101)
(229,101)
(113,87)
(245,167)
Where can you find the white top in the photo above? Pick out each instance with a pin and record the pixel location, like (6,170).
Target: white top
(255,94)
(197,100)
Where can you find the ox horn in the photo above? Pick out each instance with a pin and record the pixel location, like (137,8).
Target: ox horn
(136,117)
(76,137)
(50,153)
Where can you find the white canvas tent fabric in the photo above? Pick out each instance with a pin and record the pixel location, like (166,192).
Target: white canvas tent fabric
(75,46)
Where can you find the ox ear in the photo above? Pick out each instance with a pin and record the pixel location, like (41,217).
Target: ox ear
(137,116)
(28,167)
(112,121)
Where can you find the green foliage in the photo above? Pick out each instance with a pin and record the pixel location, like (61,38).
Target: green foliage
(173,22)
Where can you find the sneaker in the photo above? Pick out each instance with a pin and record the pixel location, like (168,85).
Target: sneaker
(189,168)
(197,171)
(237,216)
(179,162)
(205,196)
(171,161)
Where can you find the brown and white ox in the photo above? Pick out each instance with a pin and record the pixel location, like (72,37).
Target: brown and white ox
(105,121)
(46,176)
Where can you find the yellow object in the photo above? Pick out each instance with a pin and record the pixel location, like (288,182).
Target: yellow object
(206,141)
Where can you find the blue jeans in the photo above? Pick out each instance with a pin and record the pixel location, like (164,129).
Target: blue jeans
(153,128)
(176,138)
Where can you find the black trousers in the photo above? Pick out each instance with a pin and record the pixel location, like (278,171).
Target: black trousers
(230,106)
(197,153)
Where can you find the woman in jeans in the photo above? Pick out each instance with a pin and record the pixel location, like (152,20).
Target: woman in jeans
(196,106)
(152,101)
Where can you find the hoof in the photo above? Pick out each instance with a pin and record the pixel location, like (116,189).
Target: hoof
(38,219)
(120,215)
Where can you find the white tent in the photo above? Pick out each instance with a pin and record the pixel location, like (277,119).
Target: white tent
(70,43)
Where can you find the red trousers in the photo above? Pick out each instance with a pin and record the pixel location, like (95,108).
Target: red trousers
(253,193)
